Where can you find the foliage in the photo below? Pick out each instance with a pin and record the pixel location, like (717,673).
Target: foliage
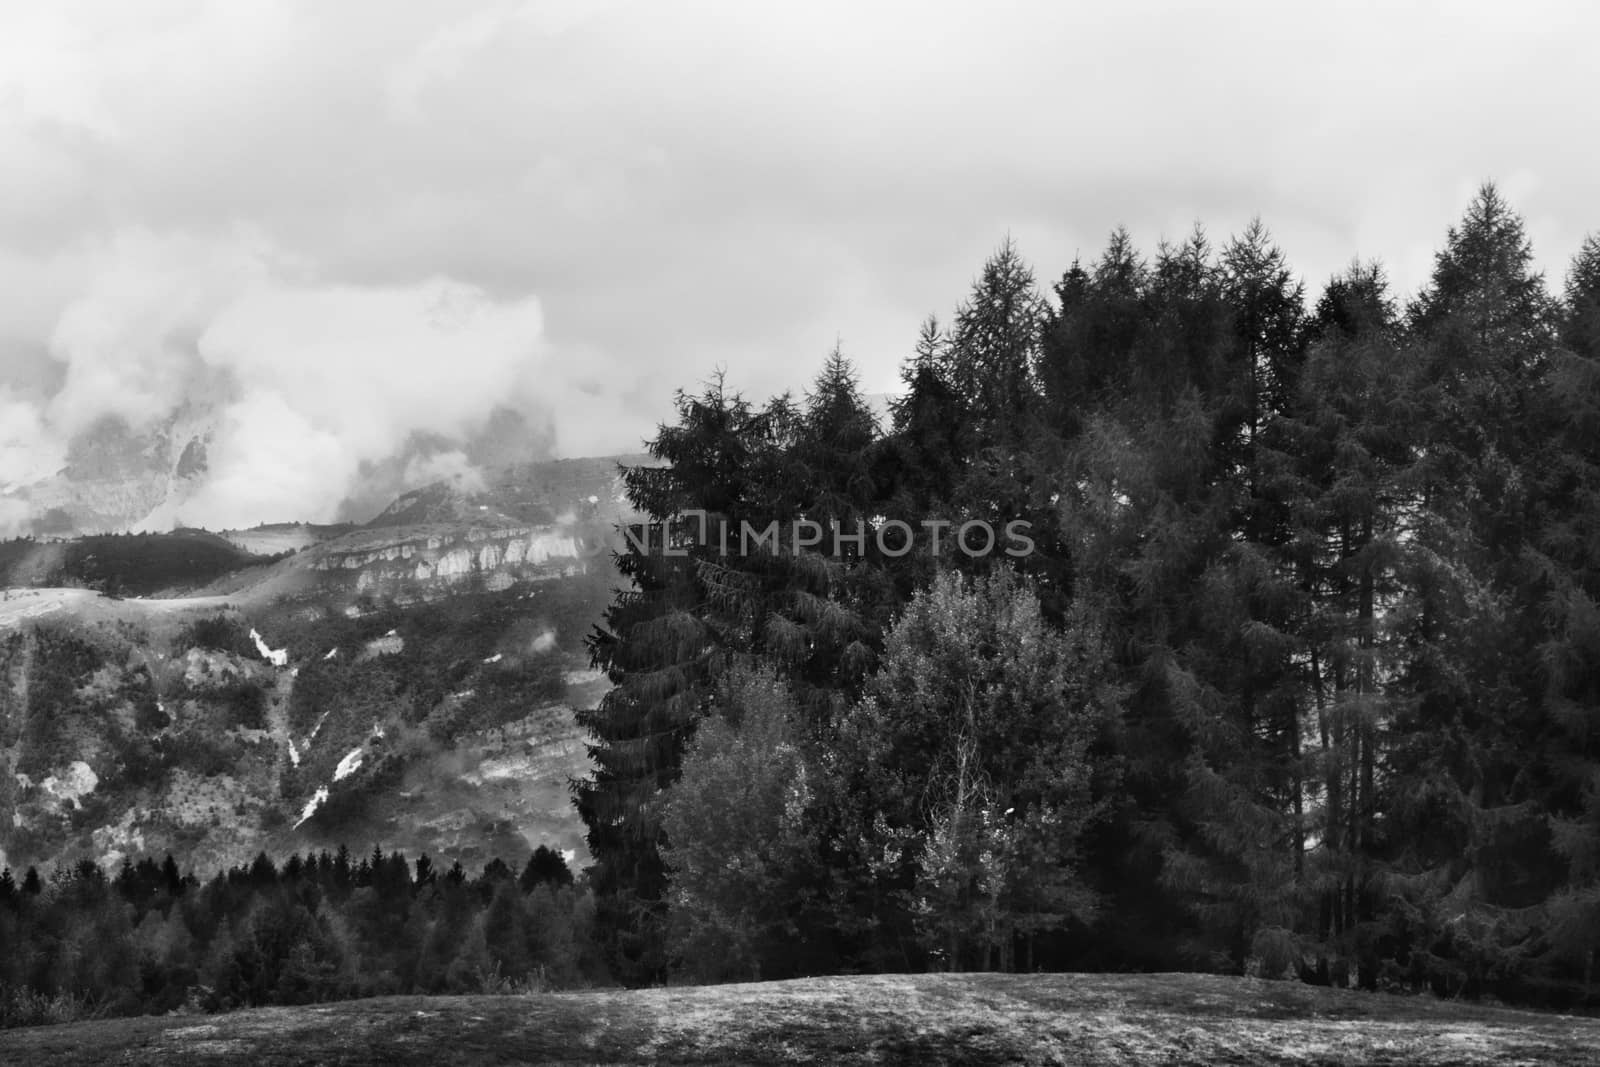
(738,845)
(82,945)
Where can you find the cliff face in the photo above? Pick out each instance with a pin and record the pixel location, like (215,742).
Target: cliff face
(415,563)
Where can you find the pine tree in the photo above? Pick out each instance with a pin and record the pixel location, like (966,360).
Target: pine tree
(545,867)
(1350,438)
(1567,552)
(992,357)
(1087,345)
(662,651)
(924,458)
(1469,840)
(1241,694)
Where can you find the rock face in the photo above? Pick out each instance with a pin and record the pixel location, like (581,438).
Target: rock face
(117,478)
(407,564)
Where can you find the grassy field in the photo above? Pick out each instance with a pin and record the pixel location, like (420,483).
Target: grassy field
(968,1019)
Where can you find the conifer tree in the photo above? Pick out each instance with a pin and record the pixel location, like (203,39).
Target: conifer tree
(1088,342)
(1567,553)
(1351,447)
(994,346)
(1468,840)
(665,640)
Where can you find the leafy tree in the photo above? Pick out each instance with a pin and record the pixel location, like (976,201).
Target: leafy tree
(739,845)
(978,728)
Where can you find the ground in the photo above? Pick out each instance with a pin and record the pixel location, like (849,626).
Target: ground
(893,1019)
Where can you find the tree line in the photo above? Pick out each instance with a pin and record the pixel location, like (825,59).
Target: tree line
(150,939)
(1301,678)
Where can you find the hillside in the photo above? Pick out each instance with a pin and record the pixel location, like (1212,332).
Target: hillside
(132,727)
(127,564)
(413,683)
(1087,1020)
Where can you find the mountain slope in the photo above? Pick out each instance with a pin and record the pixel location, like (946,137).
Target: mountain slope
(405,683)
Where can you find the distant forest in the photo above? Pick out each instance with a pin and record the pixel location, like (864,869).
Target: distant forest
(1301,678)
(150,939)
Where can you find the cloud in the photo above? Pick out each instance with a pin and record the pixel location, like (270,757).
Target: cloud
(127,342)
(269,463)
(302,386)
(335,379)
(628,196)
(26,452)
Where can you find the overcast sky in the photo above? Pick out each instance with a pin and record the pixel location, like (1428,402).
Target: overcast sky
(353,220)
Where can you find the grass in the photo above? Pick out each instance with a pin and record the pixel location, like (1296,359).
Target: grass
(893,1019)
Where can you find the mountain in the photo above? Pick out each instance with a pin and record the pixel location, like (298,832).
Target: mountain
(117,478)
(410,681)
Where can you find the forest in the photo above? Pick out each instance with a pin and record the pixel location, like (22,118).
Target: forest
(151,940)
(1300,678)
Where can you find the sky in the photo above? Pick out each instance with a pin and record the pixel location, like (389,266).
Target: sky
(346,227)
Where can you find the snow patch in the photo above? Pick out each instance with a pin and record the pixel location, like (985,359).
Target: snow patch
(545,641)
(294,753)
(387,645)
(349,765)
(312,805)
(494,658)
(312,736)
(278,657)
(332,652)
